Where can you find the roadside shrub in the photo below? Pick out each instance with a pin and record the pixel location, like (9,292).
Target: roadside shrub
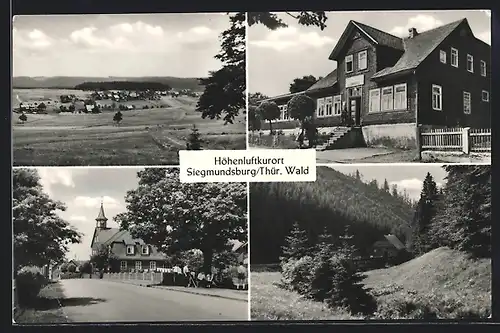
(29,282)
(297,275)
(71,275)
(71,268)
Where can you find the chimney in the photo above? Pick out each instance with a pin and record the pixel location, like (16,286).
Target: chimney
(412,32)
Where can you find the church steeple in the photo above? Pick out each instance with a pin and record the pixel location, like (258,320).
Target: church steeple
(101,218)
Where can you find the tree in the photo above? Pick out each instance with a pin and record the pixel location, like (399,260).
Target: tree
(253,119)
(41,236)
(103,259)
(194,141)
(117,117)
(64,267)
(151,176)
(358,175)
(42,106)
(296,244)
(96,109)
(386,187)
(23,117)
(268,110)
(302,108)
(273,22)
(71,268)
(177,216)
(224,92)
(302,84)
(394,191)
(256,98)
(373,184)
(86,267)
(425,211)
(71,108)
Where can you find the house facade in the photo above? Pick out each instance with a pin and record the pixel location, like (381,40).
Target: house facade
(133,254)
(389,85)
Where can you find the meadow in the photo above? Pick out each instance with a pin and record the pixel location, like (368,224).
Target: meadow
(143,137)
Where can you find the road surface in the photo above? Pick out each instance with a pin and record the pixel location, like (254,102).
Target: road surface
(95,300)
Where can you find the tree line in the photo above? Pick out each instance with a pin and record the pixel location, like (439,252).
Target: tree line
(123,85)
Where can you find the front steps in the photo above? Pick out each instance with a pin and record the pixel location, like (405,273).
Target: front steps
(334,140)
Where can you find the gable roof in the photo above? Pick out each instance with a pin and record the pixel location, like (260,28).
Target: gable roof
(327,82)
(395,241)
(375,36)
(103,235)
(418,48)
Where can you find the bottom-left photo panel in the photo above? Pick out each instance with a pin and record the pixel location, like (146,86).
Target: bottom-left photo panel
(122,245)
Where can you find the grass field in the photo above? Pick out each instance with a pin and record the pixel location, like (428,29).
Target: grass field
(144,137)
(443,281)
(46,310)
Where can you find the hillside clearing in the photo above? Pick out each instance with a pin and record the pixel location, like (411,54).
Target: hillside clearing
(442,281)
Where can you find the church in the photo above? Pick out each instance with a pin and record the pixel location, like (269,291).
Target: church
(132,253)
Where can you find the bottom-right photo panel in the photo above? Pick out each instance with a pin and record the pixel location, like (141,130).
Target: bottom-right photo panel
(373,242)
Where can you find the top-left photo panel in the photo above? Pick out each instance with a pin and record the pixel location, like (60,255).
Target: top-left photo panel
(126,89)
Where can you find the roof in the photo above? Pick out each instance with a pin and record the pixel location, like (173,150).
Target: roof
(238,246)
(101,216)
(395,241)
(327,82)
(284,96)
(418,48)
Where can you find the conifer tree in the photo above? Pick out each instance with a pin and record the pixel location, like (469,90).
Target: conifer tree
(394,191)
(296,244)
(194,141)
(386,186)
(358,175)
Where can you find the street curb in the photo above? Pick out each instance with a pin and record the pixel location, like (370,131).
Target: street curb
(199,293)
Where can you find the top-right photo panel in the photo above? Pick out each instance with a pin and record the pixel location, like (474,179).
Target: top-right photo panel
(372,87)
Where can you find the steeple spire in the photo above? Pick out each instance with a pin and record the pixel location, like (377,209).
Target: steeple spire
(101,218)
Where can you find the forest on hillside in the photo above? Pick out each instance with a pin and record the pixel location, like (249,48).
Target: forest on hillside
(333,202)
(123,85)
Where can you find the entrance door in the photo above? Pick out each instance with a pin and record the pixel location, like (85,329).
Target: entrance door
(355,108)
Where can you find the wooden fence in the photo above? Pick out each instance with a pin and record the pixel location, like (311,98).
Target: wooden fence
(465,140)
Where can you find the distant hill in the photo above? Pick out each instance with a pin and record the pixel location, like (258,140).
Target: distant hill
(69,82)
(333,201)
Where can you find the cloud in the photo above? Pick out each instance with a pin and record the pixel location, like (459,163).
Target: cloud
(196,34)
(285,38)
(55,176)
(77,218)
(421,22)
(138,28)
(409,184)
(485,36)
(33,40)
(87,37)
(95,202)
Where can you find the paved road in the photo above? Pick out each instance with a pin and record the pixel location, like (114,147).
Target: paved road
(95,300)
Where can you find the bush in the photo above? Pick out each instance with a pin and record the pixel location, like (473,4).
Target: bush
(297,274)
(29,282)
(71,275)
(71,268)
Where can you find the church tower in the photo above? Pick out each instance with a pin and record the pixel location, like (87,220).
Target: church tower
(101,219)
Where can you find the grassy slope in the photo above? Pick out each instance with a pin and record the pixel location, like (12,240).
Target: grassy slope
(47,310)
(447,279)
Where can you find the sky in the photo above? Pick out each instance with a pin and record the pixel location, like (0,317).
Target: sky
(277,57)
(181,45)
(82,190)
(409,177)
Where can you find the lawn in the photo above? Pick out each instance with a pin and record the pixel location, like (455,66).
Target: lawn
(143,137)
(443,281)
(46,310)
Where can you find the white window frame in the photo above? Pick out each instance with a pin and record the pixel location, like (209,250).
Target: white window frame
(470,60)
(130,249)
(405,100)
(442,56)
(286,116)
(467,94)
(440,95)
(453,63)
(371,96)
(328,106)
(350,59)
(365,53)
(382,108)
(320,107)
(337,105)
(145,249)
(483,68)
(138,265)
(487,94)
(152,265)
(123,265)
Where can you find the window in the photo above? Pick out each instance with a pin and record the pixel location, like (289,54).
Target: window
(328,106)
(337,105)
(138,265)
(362,60)
(349,64)
(152,265)
(123,265)
(130,249)
(387,99)
(454,57)
(470,63)
(320,107)
(437,97)
(483,68)
(286,116)
(442,56)
(400,101)
(467,106)
(485,96)
(145,249)
(374,105)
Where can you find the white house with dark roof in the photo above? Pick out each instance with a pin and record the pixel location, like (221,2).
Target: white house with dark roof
(389,85)
(132,253)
